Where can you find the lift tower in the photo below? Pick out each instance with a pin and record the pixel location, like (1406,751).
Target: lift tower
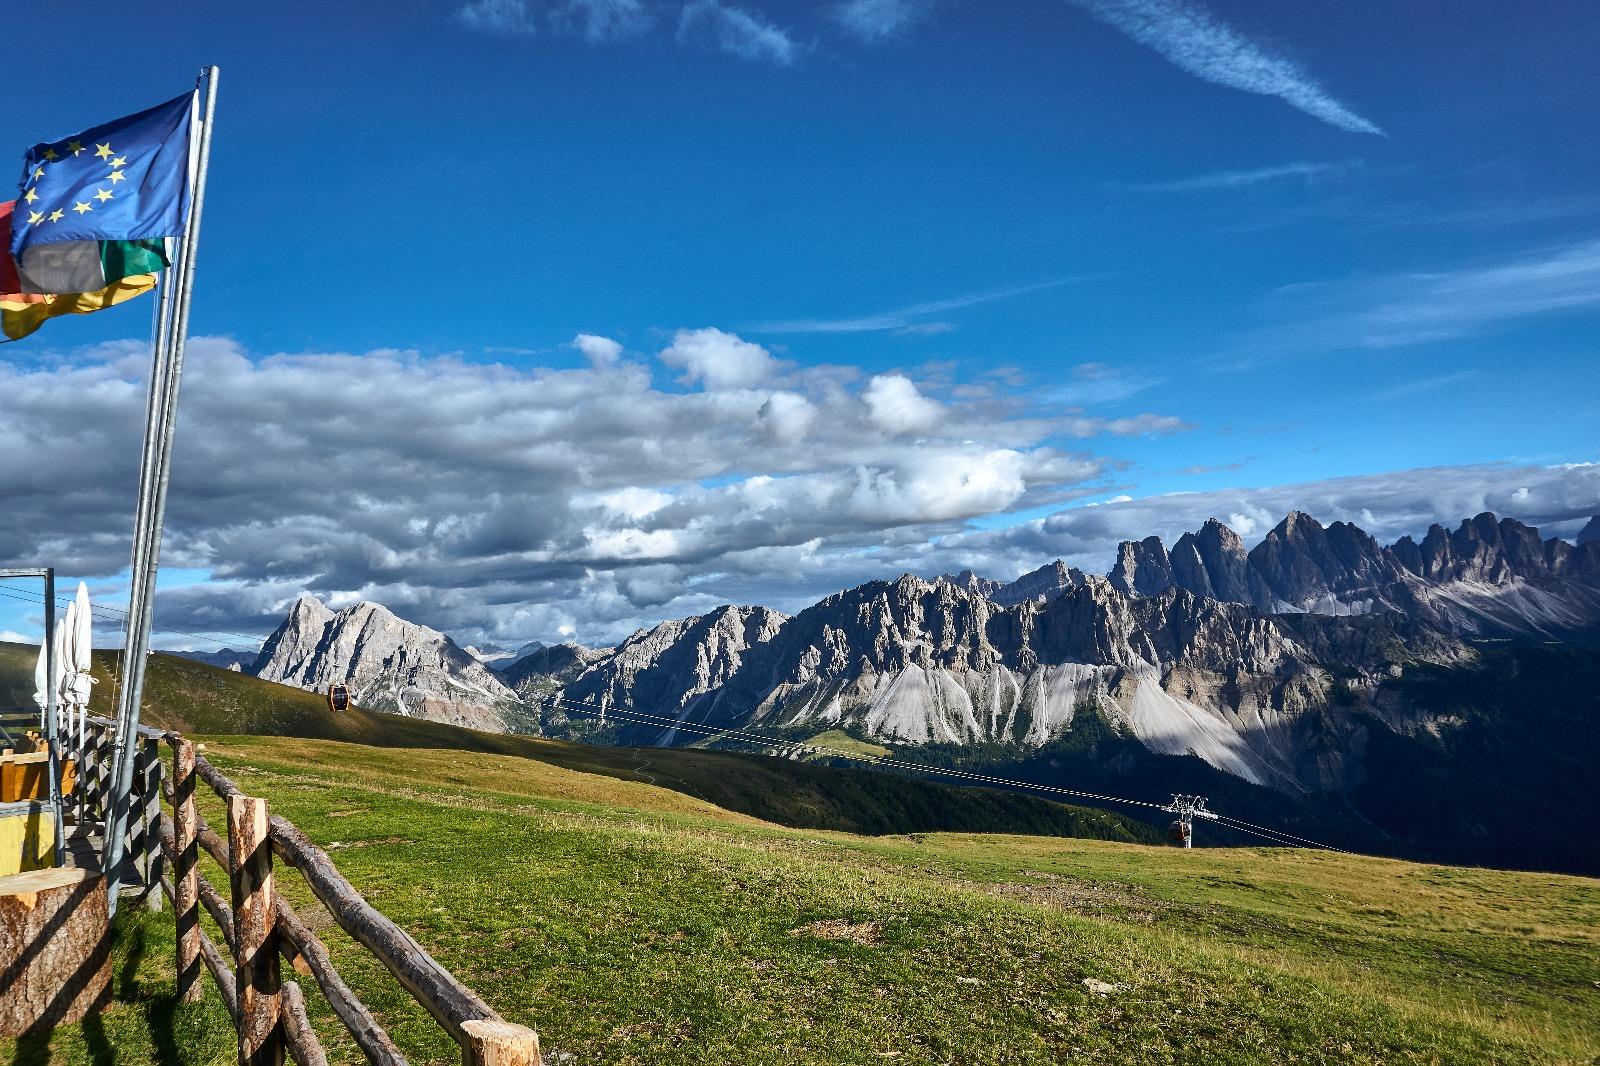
(1187,808)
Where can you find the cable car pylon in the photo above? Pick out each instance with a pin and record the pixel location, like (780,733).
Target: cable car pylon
(1187,808)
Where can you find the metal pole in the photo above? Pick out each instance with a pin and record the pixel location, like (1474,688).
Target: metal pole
(160,374)
(51,714)
(159,440)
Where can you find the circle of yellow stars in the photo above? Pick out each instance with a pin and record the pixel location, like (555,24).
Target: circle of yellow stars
(81,207)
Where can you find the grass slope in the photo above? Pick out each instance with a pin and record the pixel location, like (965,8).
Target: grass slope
(196,698)
(633,924)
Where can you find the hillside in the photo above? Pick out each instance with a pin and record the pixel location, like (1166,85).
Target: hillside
(196,698)
(631,924)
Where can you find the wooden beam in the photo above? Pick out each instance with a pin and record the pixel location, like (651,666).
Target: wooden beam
(498,1043)
(302,948)
(220,912)
(214,777)
(222,975)
(435,988)
(304,1046)
(309,950)
(254,928)
(450,1002)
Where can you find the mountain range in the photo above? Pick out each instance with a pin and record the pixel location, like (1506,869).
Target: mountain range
(387,663)
(1292,667)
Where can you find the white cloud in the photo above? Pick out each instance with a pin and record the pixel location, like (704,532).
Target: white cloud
(902,319)
(603,21)
(1238,179)
(1192,39)
(736,31)
(1096,383)
(718,360)
(1422,307)
(786,416)
(1145,425)
(896,406)
(1424,385)
(505,18)
(949,487)
(876,21)
(507,502)
(600,351)
(631,502)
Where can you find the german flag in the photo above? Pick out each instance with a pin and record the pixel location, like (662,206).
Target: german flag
(107,273)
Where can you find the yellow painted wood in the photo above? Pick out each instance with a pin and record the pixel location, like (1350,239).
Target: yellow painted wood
(27,840)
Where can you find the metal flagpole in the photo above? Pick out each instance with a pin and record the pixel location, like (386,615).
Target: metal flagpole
(166,378)
(52,742)
(154,399)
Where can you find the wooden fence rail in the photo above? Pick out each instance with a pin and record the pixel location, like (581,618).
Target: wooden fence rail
(259,928)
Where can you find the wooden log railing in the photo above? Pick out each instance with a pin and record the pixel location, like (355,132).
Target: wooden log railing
(260,928)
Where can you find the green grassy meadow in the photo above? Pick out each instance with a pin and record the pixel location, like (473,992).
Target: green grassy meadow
(632,924)
(681,907)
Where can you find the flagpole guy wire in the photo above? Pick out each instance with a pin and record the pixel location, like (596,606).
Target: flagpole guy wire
(166,373)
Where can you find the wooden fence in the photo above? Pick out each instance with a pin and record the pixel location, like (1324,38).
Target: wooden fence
(260,929)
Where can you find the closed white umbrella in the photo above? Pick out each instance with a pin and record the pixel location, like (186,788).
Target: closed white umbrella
(76,658)
(42,684)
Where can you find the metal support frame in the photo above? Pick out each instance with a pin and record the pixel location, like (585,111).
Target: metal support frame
(1188,808)
(166,374)
(52,708)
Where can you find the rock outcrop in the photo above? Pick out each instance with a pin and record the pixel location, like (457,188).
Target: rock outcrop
(388,663)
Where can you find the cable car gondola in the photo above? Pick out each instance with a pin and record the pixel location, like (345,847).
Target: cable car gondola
(1178,832)
(338,698)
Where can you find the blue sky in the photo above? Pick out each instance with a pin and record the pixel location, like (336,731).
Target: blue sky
(1301,242)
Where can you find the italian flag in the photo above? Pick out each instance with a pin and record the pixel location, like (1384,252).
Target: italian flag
(71,278)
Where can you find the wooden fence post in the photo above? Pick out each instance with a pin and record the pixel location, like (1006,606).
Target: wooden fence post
(144,845)
(255,932)
(108,778)
(185,871)
(89,773)
(150,821)
(497,1043)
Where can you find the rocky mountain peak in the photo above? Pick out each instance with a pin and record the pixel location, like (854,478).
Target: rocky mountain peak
(387,662)
(308,609)
(1142,567)
(1212,562)
(1045,583)
(1297,525)
(670,666)
(1590,533)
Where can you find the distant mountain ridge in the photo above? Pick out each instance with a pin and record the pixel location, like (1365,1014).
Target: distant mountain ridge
(1487,578)
(1271,664)
(388,664)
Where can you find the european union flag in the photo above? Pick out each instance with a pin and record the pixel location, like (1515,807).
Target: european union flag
(123,181)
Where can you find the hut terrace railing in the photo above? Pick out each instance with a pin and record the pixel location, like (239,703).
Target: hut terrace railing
(88,807)
(259,927)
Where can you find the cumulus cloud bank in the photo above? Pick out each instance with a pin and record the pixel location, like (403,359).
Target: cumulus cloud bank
(499,502)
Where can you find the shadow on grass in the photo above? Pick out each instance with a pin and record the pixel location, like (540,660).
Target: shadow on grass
(140,1019)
